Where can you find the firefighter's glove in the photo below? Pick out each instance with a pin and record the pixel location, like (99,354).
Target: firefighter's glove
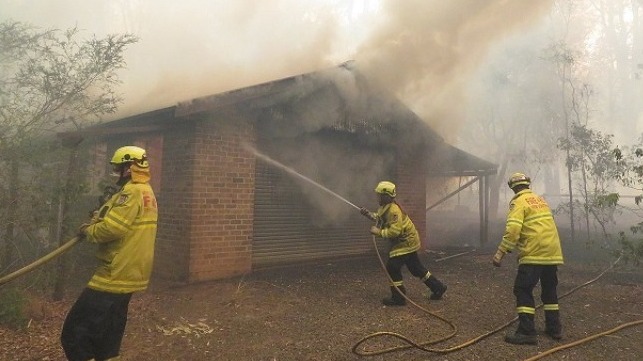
(81,234)
(94,216)
(366,213)
(376,231)
(497,258)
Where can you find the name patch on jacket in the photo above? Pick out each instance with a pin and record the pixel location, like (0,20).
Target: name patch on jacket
(121,199)
(536,203)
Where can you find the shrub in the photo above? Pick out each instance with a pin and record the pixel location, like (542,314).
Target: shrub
(632,248)
(12,308)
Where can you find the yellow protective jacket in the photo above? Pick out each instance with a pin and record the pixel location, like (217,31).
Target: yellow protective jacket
(531,228)
(398,228)
(125,232)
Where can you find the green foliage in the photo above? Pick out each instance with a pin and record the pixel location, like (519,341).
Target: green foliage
(631,161)
(12,308)
(607,200)
(632,248)
(50,81)
(593,151)
(592,156)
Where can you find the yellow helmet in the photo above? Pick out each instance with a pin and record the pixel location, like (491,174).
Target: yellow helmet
(518,179)
(130,154)
(385,187)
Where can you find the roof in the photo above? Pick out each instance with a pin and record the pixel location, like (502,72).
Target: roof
(447,160)
(293,98)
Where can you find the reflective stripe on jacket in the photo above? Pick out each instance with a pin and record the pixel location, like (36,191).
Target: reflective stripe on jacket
(531,228)
(398,228)
(125,234)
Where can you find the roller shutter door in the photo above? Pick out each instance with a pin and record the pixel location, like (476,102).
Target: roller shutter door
(285,230)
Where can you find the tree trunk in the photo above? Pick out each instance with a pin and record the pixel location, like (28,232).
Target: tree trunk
(497,182)
(587,205)
(12,214)
(63,261)
(571,198)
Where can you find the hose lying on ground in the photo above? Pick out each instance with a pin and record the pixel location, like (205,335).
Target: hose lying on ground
(422,345)
(30,267)
(583,340)
(410,343)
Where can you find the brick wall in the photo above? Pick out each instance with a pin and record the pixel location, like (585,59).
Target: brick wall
(411,183)
(206,207)
(221,200)
(174,201)
(153,145)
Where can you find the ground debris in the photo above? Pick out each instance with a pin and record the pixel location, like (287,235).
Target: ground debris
(320,313)
(184,327)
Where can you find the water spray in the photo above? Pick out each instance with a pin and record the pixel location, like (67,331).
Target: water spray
(293,172)
(424,345)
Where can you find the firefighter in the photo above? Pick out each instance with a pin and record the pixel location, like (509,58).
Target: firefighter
(531,229)
(125,230)
(393,224)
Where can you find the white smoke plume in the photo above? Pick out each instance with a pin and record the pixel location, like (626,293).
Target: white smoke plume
(422,50)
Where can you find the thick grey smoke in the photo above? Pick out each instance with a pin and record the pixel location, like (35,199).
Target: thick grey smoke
(422,50)
(194,48)
(425,50)
(227,46)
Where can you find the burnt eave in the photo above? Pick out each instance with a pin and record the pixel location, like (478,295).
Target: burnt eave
(446,160)
(443,158)
(152,121)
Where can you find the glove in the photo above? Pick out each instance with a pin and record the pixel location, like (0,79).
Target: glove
(94,216)
(365,212)
(81,231)
(497,258)
(376,231)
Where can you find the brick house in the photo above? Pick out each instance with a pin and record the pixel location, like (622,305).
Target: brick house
(224,210)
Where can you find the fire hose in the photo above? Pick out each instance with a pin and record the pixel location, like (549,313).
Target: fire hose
(48,257)
(422,346)
(583,340)
(108,191)
(69,244)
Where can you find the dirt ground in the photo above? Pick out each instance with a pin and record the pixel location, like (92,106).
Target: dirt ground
(319,311)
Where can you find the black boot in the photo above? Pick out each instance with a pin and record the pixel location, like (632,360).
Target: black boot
(396,298)
(553,328)
(437,288)
(526,332)
(521,339)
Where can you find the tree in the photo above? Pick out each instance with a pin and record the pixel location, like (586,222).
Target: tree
(591,154)
(631,160)
(50,80)
(618,46)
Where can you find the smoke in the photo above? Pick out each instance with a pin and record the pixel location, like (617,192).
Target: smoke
(194,48)
(330,162)
(424,51)
(227,46)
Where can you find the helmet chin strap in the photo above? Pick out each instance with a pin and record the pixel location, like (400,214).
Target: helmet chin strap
(124,174)
(385,199)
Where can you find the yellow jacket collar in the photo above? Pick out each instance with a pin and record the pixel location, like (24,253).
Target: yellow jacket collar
(140,175)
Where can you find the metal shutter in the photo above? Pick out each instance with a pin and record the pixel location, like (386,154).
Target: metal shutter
(284,231)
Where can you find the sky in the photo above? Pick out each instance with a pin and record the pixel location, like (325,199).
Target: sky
(423,50)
